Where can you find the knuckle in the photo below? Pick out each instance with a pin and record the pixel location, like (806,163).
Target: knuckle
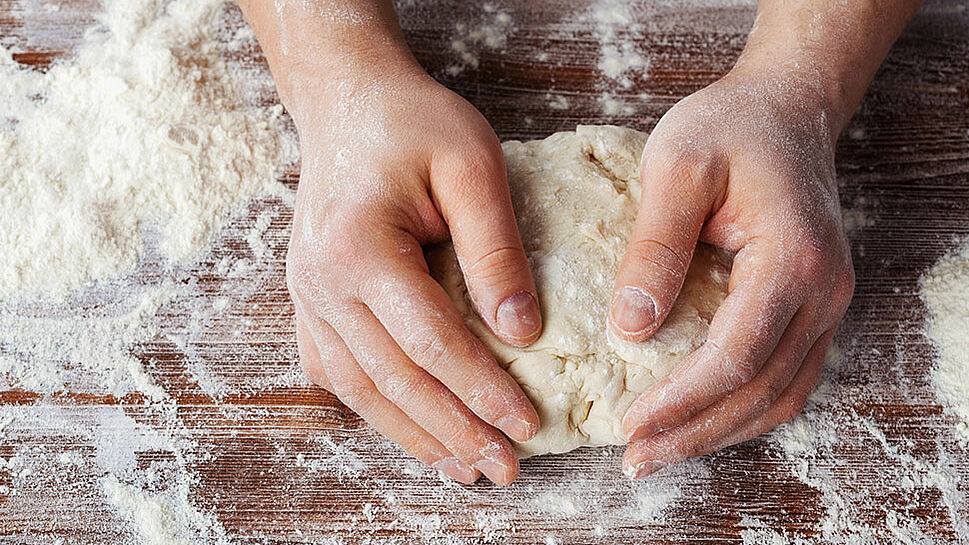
(679,444)
(307,286)
(811,261)
(506,261)
(666,155)
(474,162)
(763,398)
(344,247)
(359,395)
(430,353)
(844,285)
(737,372)
(297,268)
(657,448)
(690,169)
(310,369)
(401,386)
(463,435)
(790,408)
(734,365)
(700,447)
(673,261)
(305,263)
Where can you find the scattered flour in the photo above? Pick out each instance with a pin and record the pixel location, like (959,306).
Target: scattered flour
(121,163)
(815,445)
(135,151)
(255,235)
(557,503)
(557,102)
(945,290)
(621,59)
(83,350)
(613,107)
(493,526)
(490,33)
(855,220)
(101,471)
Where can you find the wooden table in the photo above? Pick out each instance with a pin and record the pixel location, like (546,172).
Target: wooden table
(276,462)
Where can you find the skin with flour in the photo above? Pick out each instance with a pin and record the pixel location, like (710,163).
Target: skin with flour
(392,161)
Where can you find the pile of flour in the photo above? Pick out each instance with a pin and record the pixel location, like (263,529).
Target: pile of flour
(945,290)
(144,132)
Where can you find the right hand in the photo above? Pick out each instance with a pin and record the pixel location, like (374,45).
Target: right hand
(391,161)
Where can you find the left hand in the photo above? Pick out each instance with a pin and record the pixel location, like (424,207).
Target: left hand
(746,164)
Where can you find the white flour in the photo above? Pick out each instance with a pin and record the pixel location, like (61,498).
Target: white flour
(618,30)
(132,153)
(945,290)
(136,150)
(815,445)
(163,519)
(144,130)
(621,60)
(488,34)
(82,350)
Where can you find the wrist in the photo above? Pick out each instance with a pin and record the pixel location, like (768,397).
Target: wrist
(831,49)
(802,82)
(311,86)
(316,48)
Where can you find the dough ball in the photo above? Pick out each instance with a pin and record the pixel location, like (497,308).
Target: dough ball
(576,195)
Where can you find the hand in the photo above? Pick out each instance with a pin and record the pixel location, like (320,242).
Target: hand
(746,164)
(393,160)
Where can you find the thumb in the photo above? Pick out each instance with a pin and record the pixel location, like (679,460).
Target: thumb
(677,197)
(472,194)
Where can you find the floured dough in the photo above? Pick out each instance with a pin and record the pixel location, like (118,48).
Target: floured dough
(576,195)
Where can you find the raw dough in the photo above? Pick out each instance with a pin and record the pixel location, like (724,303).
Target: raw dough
(576,195)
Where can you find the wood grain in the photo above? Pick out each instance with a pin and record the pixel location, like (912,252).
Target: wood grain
(271,461)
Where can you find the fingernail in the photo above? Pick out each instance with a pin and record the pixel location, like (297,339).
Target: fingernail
(516,428)
(644,431)
(518,315)
(456,469)
(491,468)
(643,469)
(633,310)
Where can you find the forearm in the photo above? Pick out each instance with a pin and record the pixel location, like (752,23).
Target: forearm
(312,45)
(833,47)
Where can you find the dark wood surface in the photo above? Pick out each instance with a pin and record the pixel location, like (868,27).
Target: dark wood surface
(289,464)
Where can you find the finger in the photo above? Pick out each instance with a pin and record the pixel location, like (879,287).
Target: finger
(677,197)
(423,398)
(743,334)
(789,404)
(644,458)
(358,392)
(709,429)
(309,358)
(478,210)
(424,323)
